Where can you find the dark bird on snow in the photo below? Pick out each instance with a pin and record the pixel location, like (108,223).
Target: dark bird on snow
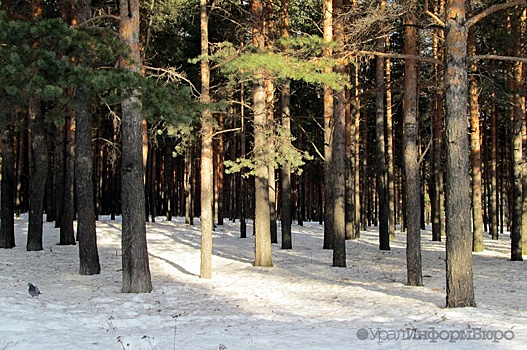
(33,290)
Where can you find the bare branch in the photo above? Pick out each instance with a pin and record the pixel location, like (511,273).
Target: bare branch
(491,10)
(433,15)
(396,55)
(497,57)
(117,18)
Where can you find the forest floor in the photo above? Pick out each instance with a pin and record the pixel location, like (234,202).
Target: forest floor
(301,303)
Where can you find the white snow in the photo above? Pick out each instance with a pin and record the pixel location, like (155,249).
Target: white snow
(301,303)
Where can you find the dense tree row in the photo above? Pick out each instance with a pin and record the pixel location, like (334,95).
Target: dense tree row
(231,110)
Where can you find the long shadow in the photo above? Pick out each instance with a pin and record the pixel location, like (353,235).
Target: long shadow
(173,264)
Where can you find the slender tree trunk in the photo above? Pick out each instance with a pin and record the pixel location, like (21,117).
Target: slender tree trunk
(287,241)
(459,276)
(411,155)
(262,220)
(243,181)
(390,177)
(338,151)
(8,186)
(187,186)
(493,171)
(207,163)
(328,127)
(518,120)
(475,149)
(67,236)
(136,270)
(39,168)
(384,235)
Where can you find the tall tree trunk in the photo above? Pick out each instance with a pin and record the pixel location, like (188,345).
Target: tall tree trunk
(328,127)
(207,163)
(243,181)
(518,119)
(390,177)
(287,241)
(411,156)
(136,270)
(39,160)
(187,186)
(67,236)
(459,276)
(384,235)
(39,168)
(86,227)
(8,186)
(493,171)
(475,148)
(262,219)
(338,152)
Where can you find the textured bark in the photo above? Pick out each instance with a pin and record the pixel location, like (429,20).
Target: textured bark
(262,219)
(382,192)
(67,236)
(86,227)
(287,241)
(459,275)
(475,149)
(411,156)
(390,176)
(328,120)
(518,120)
(136,270)
(39,163)
(493,171)
(8,186)
(207,163)
(187,186)
(338,151)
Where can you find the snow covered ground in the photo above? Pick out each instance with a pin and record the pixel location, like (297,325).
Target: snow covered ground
(301,303)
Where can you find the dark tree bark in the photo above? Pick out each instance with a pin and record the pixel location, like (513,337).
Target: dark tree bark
(86,227)
(493,171)
(411,156)
(8,186)
(382,193)
(517,120)
(338,152)
(459,275)
(136,270)
(39,168)
(67,236)
(287,241)
(187,187)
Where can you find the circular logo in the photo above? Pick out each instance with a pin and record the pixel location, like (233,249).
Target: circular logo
(362,334)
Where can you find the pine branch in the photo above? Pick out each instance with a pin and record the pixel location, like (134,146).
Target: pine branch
(491,10)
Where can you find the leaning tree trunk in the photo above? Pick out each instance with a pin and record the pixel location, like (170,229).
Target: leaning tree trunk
(459,276)
(8,186)
(411,156)
(207,162)
(136,270)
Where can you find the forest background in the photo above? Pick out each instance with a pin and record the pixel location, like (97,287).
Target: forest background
(230,110)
